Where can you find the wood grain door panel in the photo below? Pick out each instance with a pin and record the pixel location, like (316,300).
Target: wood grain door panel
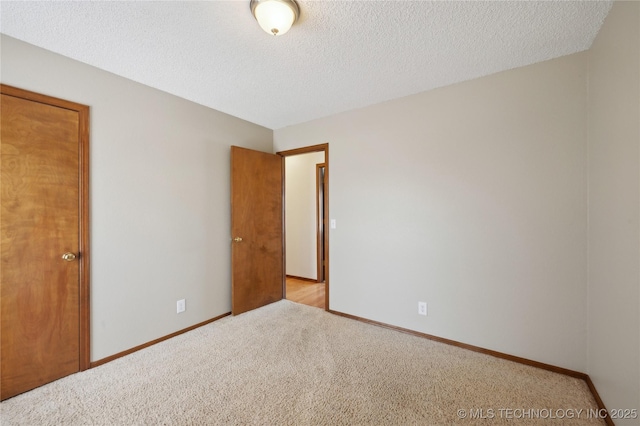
(41,213)
(257,272)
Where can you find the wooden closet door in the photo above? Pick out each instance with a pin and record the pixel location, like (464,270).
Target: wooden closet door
(40,255)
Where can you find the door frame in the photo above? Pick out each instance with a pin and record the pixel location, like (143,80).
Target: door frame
(321,221)
(305,150)
(83,210)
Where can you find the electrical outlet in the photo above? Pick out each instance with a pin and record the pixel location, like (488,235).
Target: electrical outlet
(422,308)
(181,306)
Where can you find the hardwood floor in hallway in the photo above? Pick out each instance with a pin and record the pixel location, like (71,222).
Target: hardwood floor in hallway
(305,292)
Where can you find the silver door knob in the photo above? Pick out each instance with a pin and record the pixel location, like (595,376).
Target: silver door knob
(69,257)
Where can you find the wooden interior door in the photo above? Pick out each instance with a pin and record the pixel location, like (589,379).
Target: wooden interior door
(43,203)
(257,260)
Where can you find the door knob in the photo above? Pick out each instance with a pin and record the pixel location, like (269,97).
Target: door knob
(237,239)
(69,257)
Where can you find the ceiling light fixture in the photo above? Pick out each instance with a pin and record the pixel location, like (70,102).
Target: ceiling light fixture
(275,16)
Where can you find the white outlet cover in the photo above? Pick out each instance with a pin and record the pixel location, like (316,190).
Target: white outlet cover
(422,308)
(181,306)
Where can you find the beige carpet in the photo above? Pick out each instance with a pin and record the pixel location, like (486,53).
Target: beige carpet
(290,364)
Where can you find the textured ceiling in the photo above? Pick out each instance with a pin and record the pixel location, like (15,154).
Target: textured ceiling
(339,56)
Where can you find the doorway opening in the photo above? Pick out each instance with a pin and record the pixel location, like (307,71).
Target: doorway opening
(306,242)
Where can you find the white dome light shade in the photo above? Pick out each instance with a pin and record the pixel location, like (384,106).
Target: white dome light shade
(275,16)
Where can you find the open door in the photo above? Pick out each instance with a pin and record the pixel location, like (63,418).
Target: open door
(257,265)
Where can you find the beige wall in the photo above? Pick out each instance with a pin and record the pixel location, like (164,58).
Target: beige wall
(159,197)
(472,198)
(614,210)
(300,214)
